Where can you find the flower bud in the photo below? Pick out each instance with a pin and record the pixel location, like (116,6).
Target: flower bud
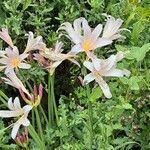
(22,139)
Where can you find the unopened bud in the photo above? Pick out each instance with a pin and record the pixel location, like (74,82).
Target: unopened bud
(22,139)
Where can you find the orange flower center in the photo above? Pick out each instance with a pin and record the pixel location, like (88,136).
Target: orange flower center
(87,45)
(15,62)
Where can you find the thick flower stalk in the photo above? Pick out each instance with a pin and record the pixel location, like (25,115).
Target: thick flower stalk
(18,112)
(11,60)
(104,68)
(83,36)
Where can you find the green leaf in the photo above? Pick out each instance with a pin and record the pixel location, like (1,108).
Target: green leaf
(143,50)
(96,94)
(26,4)
(124,80)
(133,82)
(138,53)
(138,27)
(2,14)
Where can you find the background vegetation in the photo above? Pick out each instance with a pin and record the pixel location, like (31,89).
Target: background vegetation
(121,123)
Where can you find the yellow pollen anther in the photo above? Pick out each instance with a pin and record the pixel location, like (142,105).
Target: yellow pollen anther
(15,62)
(87,45)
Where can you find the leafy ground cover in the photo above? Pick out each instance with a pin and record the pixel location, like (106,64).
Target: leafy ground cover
(65,112)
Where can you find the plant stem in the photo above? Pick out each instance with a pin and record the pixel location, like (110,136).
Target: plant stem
(53,98)
(3,101)
(3,95)
(3,98)
(90,113)
(26,81)
(33,118)
(44,115)
(39,124)
(50,103)
(36,138)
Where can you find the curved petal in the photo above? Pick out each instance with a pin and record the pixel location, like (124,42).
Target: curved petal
(4,61)
(15,51)
(108,64)
(88,78)
(117,24)
(104,86)
(15,130)
(5,36)
(58,47)
(76,49)
(86,28)
(97,63)
(2,67)
(2,53)
(9,113)
(9,52)
(77,25)
(89,65)
(76,38)
(25,122)
(23,56)
(102,42)
(8,70)
(112,27)
(24,66)
(27,108)
(10,104)
(96,32)
(115,73)
(34,43)
(17,103)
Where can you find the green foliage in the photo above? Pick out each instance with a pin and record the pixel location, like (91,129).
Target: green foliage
(96,94)
(119,123)
(4,139)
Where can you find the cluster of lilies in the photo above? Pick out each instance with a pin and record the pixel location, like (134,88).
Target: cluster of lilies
(84,39)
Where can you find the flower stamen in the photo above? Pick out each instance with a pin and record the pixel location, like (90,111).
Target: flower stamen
(87,45)
(15,62)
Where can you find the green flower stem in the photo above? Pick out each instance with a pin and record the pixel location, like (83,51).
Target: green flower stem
(3,101)
(39,124)
(3,95)
(53,98)
(44,115)
(26,81)
(36,138)
(90,113)
(3,98)
(50,103)
(33,118)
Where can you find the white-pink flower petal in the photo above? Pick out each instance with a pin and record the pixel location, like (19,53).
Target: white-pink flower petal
(5,36)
